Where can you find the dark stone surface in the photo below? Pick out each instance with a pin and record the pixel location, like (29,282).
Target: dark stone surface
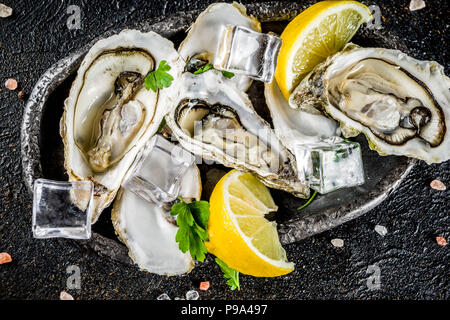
(412,265)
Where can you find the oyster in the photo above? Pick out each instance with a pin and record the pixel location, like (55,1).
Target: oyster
(296,126)
(109,115)
(400,104)
(149,231)
(203,38)
(216,120)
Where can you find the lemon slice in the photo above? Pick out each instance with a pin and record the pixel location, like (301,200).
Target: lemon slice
(315,34)
(239,233)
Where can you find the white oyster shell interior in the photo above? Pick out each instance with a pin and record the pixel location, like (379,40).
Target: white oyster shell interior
(149,231)
(101,141)
(296,126)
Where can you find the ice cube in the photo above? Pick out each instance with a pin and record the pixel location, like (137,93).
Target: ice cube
(62,209)
(157,171)
(330,164)
(244,51)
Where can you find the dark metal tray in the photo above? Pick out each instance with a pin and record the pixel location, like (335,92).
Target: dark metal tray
(43,156)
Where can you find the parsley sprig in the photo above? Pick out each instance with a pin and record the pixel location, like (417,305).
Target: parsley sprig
(159,78)
(209,66)
(205,68)
(227,74)
(192,221)
(231,274)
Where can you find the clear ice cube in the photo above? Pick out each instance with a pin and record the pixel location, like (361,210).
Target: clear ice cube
(330,164)
(244,51)
(62,209)
(157,171)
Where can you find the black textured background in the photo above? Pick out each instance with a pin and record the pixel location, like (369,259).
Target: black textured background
(412,265)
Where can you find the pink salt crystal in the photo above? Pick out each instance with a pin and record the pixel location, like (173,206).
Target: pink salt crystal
(204,285)
(438,185)
(441,241)
(65,296)
(5,258)
(11,84)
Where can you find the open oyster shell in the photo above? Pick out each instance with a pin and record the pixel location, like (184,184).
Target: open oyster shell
(294,126)
(402,105)
(200,45)
(216,120)
(109,115)
(149,231)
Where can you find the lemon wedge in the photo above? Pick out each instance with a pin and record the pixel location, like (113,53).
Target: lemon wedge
(315,34)
(239,233)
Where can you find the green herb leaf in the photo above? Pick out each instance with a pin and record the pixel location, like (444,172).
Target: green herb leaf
(183,213)
(163,66)
(230,274)
(159,78)
(200,212)
(209,66)
(205,68)
(182,238)
(161,125)
(192,221)
(309,201)
(227,74)
(196,247)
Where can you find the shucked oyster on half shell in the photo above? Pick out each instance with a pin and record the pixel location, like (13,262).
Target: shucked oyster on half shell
(402,105)
(216,120)
(149,231)
(109,115)
(204,37)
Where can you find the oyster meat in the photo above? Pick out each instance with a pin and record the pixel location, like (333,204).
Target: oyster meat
(216,120)
(402,105)
(203,39)
(109,115)
(149,231)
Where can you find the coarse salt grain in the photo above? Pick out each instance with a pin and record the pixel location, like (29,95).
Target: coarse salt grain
(381,230)
(416,5)
(11,84)
(5,11)
(438,185)
(338,243)
(65,296)
(163,296)
(204,285)
(192,295)
(5,258)
(441,241)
